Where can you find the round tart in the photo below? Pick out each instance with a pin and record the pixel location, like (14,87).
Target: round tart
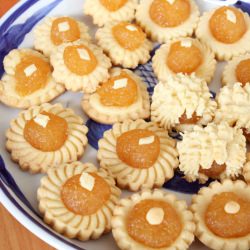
(182,101)
(184,55)
(237,70)
(226,30)
(125,43)
(54,31)
(152,219)
(138,154)
(217,151)
(28,79)
(123,96)
(78,200)
(103,11)
(222,215)
(164,20)
(246,169)
(80,66)
(46,136)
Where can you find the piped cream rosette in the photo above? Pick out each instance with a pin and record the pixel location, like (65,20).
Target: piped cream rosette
(118,111)
(72,202)
(246,169)
(46,136)
(138,154)
(8,84)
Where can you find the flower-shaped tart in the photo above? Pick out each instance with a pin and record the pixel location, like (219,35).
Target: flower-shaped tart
(184,55)
(80,66)
(46,136)
(54,31)
(78,200)
(226,30)
(246,169)
(164,20)
(28,79)
(152,219)
(237,70)
(138,154)
(104,11)
(182,101)
(222,215)
(125,43)
(217,151)
(123,96)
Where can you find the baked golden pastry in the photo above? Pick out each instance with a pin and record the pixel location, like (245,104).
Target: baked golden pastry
(246,169)
(222,215)
(46,136)
(28,79)
(152,219)
(78,200)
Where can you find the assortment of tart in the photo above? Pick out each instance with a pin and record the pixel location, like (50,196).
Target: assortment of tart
(82,201)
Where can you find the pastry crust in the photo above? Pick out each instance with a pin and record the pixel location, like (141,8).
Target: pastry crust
(199,206)
(108,115)
(205,70)
(161,34)
(177,95)
(42,40)
(135,178)
(86,83)
(119,55)
(222,51)
(220,143)
(8,94)
(34,160)
(101,15)
(64,221)
(121,211)
(228,75)
(246,169)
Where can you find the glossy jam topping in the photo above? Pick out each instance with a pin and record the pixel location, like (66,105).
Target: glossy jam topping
(243,71)
(119,97)
(113,5)
(193,120)
(224,30)
(49,138)
(129,36)
(82,201)
(227,223)
(182,59)
(215,170)
(70,32)
(27,84)
(166,14)
(75,63)
(135,155)
(155,236)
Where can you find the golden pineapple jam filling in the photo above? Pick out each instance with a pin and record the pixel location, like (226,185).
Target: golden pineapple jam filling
(118,97)
(26,84)
(81,201)
(169,15)
(227,29)
(113,5)
(64,29)
(133,151)
(192,120)
(214,171)
(155,236)
(243,71)
(49,138)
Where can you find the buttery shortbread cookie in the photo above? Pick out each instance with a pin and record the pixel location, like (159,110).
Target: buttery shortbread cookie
(103,11)
(54,31)
(125,43)
(28,79)
(217,151)
(46,136)
(78,200)
(152,219)
(222,215)
(164,20)
(138,154)
(226,30)
(123,96)
(80,66)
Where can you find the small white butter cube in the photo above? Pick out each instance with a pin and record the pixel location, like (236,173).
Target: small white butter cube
(30,70)
(147,140)
(232,207)
(131,27)
(186,43)
(87,181)
(84,54)
(64,26)
(171,1)
(121,83)
(231,16)
(155,216)
(42,120)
